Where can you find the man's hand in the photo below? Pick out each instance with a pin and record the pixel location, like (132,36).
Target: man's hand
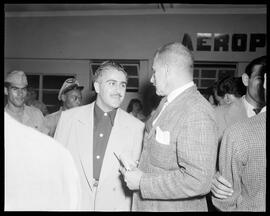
(221,188)
(132,177)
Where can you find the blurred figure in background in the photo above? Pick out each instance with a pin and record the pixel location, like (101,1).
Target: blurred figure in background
(40,175)
(231,90)
(135,108)
(71,96)
(210,95)
(248,106)
(31,100)
(242,162)
(16,90)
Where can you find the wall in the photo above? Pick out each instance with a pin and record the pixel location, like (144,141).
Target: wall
(120,37)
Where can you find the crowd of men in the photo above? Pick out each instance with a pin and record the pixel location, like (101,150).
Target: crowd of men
(98,157)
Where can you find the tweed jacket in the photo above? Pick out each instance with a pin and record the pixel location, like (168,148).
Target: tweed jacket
(177,174)
(229,114)
(242,161)
(75,132)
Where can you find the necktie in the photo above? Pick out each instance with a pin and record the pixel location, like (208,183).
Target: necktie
(148,124)
(257,110)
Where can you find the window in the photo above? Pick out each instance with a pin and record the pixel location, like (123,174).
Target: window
(47,87)
(206,73)
(132,68)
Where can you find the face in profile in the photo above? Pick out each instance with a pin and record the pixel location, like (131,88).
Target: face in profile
(72,98)
(255,85)
(158,78)
(111,89)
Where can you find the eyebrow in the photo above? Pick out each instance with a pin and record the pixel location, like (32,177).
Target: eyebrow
(116,81)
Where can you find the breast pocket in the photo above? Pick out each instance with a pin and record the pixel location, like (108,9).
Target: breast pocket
(162,156)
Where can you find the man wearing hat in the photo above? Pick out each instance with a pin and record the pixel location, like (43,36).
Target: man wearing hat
(16,90)
(71,96)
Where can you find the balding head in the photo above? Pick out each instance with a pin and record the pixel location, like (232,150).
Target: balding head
(176,62)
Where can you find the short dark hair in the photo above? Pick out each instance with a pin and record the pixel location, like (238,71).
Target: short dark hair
(231,85)
(258,61)
(104,66)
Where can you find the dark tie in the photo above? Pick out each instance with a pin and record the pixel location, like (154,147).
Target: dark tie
(257,110)
(148,124)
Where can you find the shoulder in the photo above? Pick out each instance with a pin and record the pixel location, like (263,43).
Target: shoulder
(128,118)
(77,111)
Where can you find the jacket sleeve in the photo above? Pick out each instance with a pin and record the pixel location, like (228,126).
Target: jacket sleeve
(196,150)
(229,168)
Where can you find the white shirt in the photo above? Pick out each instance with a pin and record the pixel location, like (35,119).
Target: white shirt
(249,108)
(172,96)
(263,109)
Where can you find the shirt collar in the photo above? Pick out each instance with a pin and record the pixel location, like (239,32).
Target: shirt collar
(249,107)
(178,91)
(263,109)
(99,113)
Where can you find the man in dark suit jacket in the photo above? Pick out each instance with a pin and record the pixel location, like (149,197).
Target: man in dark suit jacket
(180,143)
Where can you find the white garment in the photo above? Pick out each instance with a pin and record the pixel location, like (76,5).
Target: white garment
(40,174)
(172,96)
(249,107)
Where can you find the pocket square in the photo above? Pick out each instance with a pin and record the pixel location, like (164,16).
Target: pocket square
(162,137)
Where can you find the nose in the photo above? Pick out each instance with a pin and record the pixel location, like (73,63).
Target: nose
(152,80)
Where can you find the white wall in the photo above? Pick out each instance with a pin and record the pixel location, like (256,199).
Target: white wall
(119,37)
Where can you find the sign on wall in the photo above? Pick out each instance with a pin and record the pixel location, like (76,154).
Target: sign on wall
(223,42)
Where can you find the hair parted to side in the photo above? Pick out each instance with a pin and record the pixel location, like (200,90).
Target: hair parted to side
(175,53)
(258,61)
(106,65)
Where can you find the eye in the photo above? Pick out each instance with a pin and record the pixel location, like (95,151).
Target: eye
(123,85)
(111,83)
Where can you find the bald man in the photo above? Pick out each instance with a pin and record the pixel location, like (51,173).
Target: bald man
(180,144)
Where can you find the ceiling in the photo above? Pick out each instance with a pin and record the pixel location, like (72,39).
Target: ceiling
(64,7)
(128,9)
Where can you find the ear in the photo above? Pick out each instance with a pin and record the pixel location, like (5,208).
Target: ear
(245,79)
(96,86)
(63,97)
(6,91)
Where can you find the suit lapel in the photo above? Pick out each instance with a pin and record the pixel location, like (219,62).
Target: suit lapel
(85,139)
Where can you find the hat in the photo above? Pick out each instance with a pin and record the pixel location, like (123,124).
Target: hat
(17,78)
(69,84)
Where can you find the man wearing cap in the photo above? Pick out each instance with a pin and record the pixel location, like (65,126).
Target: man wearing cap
(16,90)
(71,96)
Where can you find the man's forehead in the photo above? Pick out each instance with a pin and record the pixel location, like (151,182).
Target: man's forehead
(114,74)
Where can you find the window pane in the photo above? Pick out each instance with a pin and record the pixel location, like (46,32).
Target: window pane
(33,81)
(51,98)
(131,70)
(208,73)
(224,72)
(54,82)
(196,73)
(207,83)
(133,82)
